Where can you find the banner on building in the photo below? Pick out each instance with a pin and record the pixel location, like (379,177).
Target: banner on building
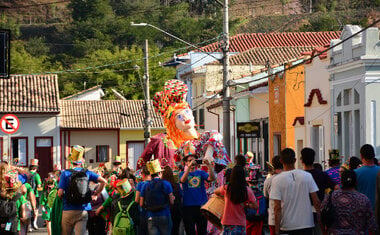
(248,130)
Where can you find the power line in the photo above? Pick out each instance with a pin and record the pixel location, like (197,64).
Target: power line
(81,70)
(312,57)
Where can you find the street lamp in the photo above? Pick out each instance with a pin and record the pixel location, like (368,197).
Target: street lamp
(226,90)
(161,30)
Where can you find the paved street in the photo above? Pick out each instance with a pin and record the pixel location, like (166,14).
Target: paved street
(41,230)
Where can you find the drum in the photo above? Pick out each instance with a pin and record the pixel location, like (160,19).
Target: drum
(213,210)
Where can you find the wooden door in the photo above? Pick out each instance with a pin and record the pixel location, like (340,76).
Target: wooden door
(44,154)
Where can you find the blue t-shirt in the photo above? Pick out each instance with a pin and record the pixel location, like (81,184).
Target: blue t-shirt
(167,189)
(139,188)
(366,178)
(141,184)
(64,184)
(194,191)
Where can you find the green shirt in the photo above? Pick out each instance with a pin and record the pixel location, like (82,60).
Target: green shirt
(28,189)
(21,201)
(37,180)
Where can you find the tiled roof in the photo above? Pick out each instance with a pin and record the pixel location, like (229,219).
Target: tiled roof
(29,94)
(90,114)
(243,42)
(133,115)
(105,114)
(275,55)
(320,51)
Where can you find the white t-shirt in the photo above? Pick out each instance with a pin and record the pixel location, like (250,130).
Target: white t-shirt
(267,188)
(293,188)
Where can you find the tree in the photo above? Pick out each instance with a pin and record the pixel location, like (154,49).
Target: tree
(83,10)
(37,47)
(24,63)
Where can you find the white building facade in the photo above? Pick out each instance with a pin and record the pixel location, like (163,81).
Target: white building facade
(318,106)
(355,84)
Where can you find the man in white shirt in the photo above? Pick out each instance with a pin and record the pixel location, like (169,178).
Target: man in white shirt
(291,191)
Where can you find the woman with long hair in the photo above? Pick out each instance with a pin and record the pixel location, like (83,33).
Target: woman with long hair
(10,188)
(175,209)
(237,195)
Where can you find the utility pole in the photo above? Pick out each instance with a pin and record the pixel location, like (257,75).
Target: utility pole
(147,121)
(226,89)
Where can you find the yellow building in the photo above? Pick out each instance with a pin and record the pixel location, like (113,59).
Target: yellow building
(286,103)
(132,130)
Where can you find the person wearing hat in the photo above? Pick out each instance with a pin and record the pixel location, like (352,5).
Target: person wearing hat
(156,197)
(10,190)
(75,216)
(34,179)
(117,169)
(194,191)
(334,164)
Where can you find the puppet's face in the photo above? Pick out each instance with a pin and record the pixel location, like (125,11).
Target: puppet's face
(184,120)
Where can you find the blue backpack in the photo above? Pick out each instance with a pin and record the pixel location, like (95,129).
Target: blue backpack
(261,213)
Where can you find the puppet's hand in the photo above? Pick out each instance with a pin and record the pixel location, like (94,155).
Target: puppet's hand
(209,154)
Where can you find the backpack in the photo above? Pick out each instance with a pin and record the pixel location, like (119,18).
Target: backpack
(155,198)
(8,215)
(78,192)
(123,223)
(259,214)
(32,181)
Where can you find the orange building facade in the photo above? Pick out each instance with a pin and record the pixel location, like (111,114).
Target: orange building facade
(286,103)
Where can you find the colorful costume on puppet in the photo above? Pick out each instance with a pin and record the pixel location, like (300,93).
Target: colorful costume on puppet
(180,127)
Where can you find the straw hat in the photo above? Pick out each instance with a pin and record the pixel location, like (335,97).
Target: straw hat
(117,160)
(154,166)
(124,187)
(76,154)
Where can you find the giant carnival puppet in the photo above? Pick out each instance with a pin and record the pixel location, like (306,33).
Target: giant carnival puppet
(169,147)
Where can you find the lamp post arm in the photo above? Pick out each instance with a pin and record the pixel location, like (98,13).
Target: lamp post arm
(173,36)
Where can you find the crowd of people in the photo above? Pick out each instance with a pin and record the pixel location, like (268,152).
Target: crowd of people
(158,200)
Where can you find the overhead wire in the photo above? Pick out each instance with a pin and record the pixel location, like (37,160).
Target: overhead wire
(314,56)
(120,62)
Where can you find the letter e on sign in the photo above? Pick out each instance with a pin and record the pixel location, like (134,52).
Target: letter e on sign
(9,123)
